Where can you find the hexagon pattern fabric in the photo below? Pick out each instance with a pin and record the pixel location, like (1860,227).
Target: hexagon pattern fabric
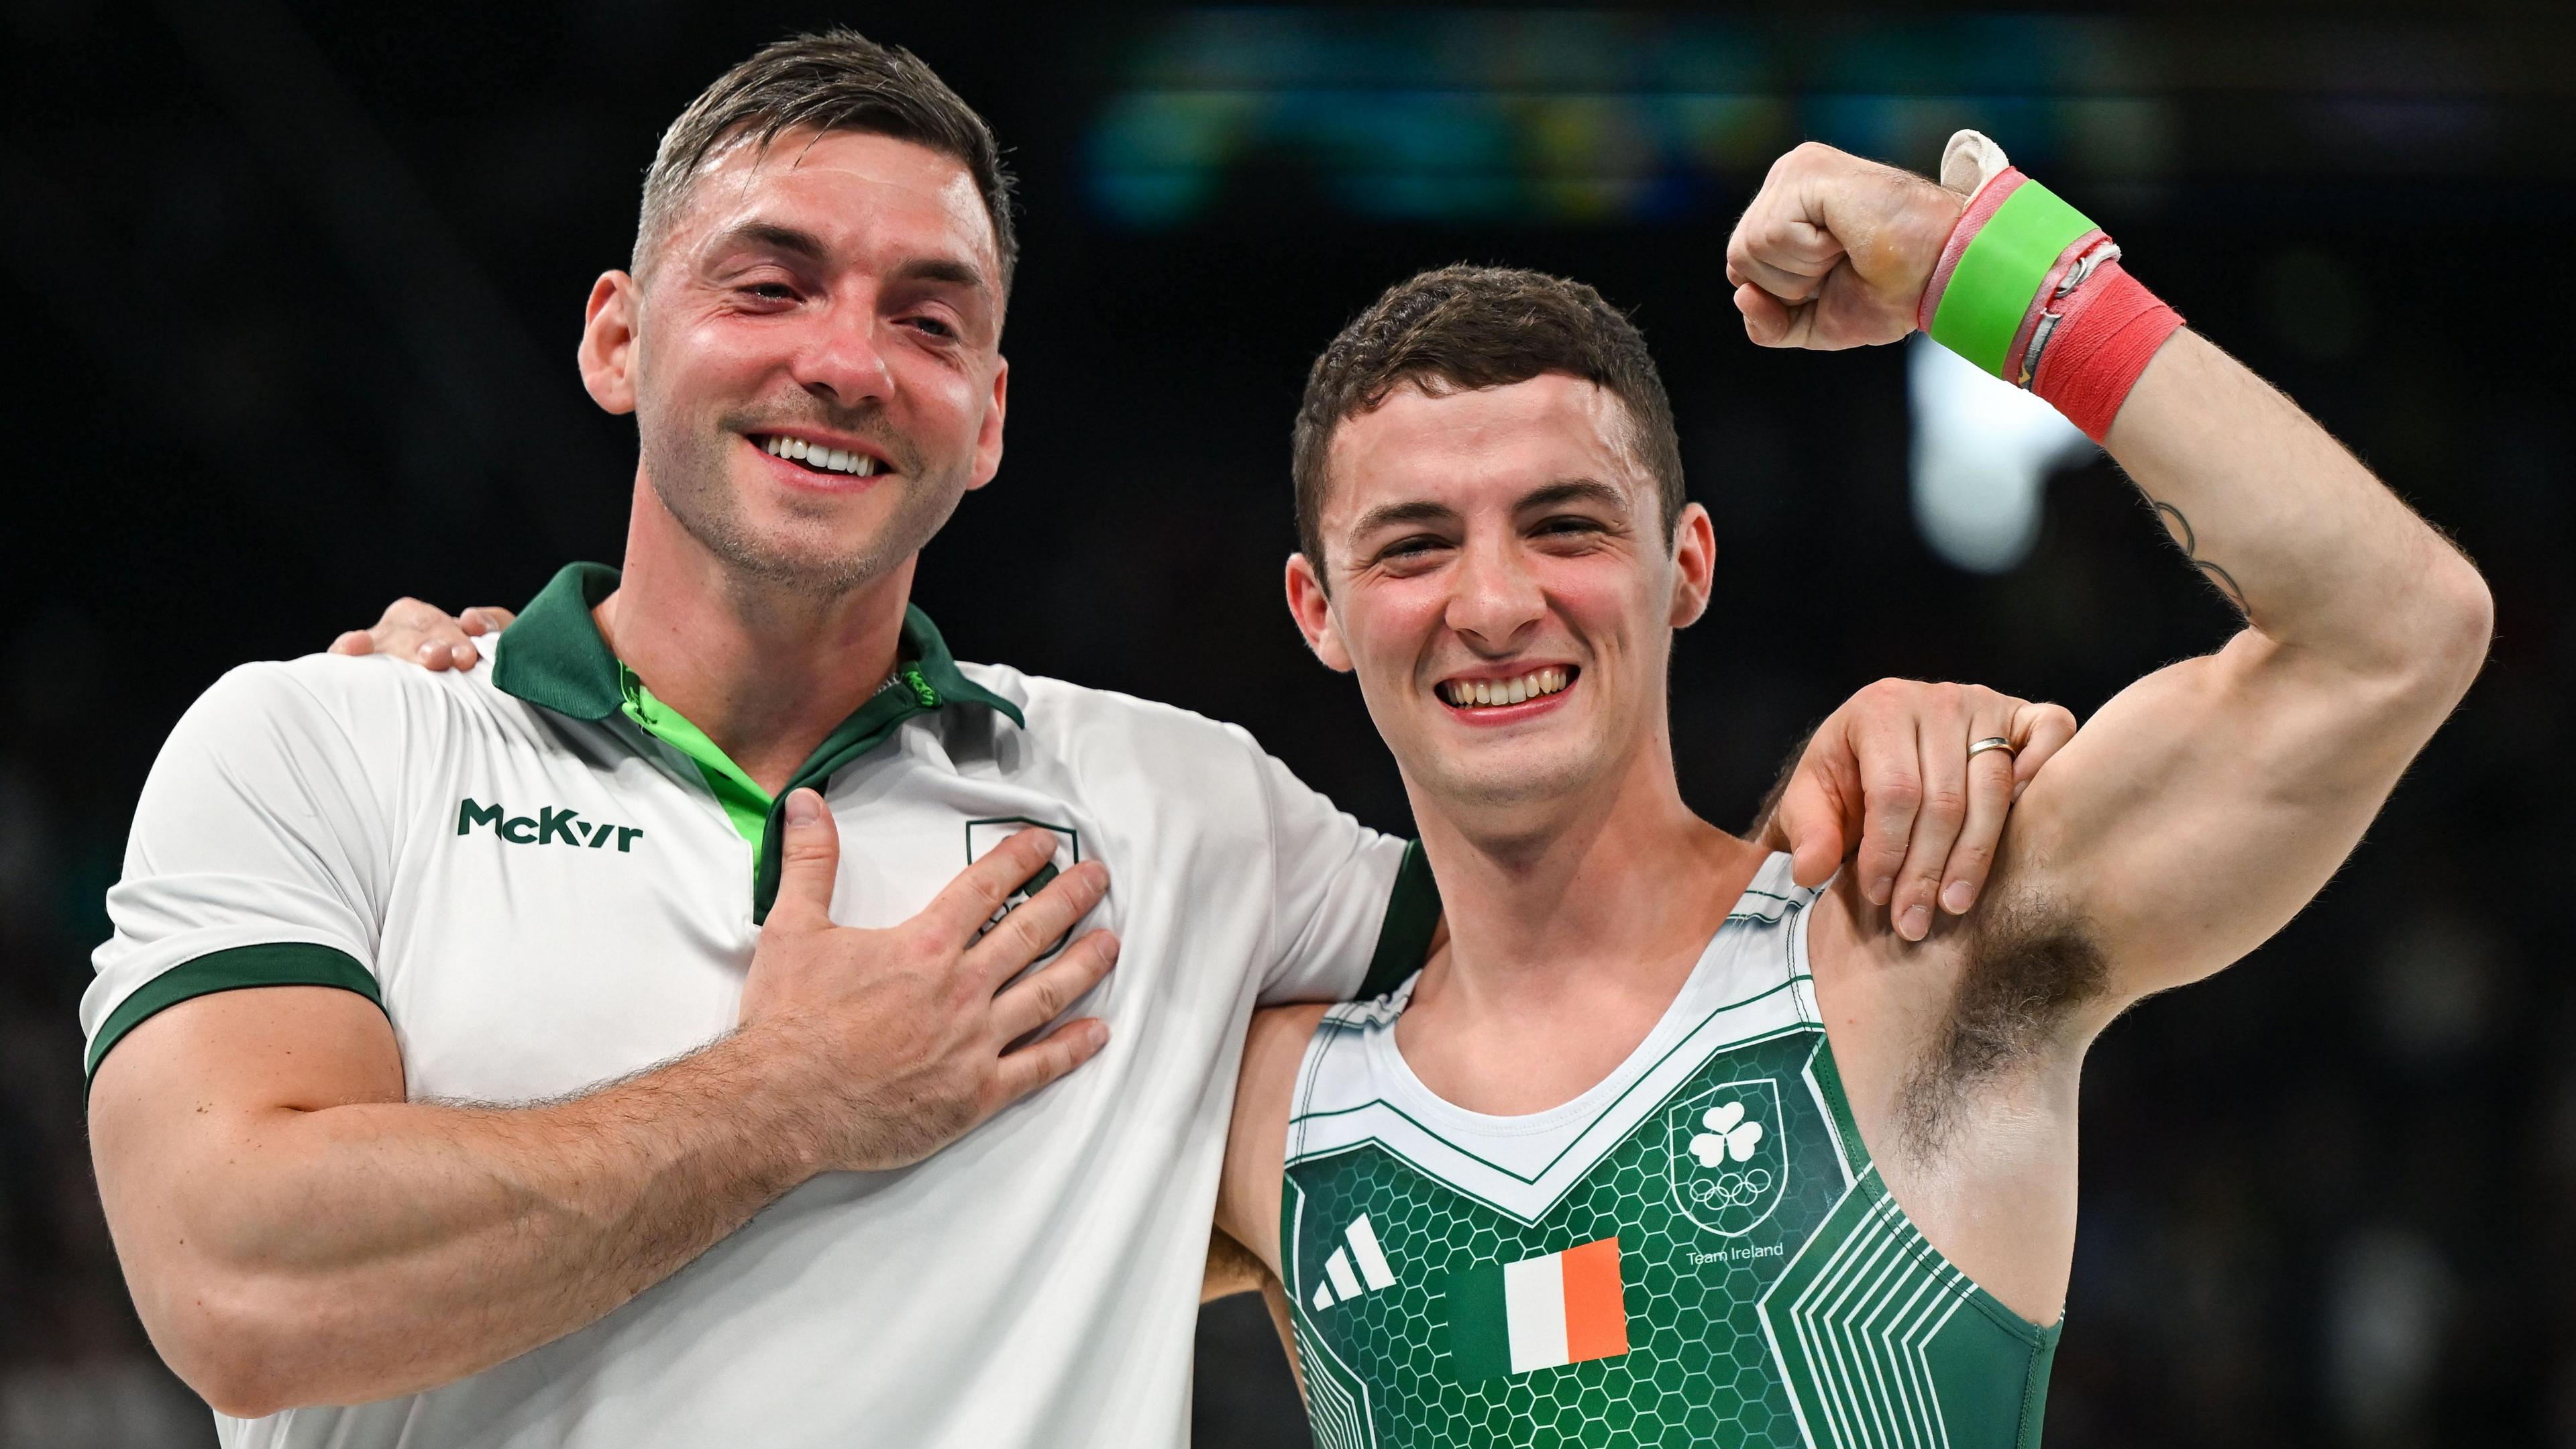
(1774,1297)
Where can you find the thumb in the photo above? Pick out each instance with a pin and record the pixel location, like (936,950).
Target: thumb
(1810,823)
(809,861)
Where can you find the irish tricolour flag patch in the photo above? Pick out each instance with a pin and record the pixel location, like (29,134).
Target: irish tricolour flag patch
(1538,1313)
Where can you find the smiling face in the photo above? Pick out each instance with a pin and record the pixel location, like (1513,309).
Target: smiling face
(813,355)
(1501,584)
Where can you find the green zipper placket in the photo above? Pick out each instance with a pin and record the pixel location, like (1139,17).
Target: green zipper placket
(745,804)
(759,818)
(877,720)
(554,658)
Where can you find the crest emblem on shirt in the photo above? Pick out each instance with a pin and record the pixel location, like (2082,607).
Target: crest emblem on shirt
(1729,1164)
(983,835)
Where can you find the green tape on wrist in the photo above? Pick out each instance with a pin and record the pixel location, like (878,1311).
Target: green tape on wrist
(2001,272)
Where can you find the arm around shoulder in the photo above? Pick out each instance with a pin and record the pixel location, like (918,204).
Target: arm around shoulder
(1256,1145)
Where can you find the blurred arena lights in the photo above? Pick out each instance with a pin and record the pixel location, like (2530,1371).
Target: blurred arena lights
(1981,455)
(1609,118)
(1591,118)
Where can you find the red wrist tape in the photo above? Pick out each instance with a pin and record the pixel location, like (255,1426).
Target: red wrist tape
(2107,333)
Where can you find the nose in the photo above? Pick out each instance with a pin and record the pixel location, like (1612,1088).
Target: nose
(840,363)
(1497,600)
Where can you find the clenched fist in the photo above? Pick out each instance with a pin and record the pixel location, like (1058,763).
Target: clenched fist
(1836,251)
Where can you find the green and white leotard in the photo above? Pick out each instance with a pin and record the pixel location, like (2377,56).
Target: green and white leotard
(1695,1251)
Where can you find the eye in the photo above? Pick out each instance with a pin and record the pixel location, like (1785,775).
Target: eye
(1410,555)
(768,291)
(1567,525)
(934,326)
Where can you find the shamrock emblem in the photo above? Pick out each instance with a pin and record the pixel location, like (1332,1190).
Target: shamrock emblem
(1728,1135)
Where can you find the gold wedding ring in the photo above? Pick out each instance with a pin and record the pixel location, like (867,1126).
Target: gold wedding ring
(1995,742)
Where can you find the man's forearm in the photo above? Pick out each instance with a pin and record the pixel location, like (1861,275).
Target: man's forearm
(2284,521)
(363,1251)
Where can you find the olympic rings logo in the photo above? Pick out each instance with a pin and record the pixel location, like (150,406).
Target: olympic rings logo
(1731,1189)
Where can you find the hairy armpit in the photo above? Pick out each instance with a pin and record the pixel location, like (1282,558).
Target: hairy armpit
(2029,966)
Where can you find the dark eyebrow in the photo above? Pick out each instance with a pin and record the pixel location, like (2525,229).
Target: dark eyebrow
(945,269)
(1423,510)
(1387,515)
(805,244)
(1574,490)
(774,236)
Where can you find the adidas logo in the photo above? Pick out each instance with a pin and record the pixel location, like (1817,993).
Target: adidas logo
(1341,1285)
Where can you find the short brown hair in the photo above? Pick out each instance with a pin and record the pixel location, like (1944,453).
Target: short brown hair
(1464,327)
(838,80)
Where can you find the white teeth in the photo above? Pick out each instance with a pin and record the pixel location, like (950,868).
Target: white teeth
(815,455)
(1490,692)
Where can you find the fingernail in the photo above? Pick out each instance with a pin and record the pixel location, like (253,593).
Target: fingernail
(1098,1031)
(804,808)
(1879,888)
(1917,921)
(425,648)
(1955,897)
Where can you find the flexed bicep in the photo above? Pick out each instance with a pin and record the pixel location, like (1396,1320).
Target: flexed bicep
(2201,808)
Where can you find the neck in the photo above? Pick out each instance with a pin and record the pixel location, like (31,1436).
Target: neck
(765,669)
(1620,876)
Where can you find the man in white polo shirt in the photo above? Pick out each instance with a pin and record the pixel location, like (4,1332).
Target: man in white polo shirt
(538,883)
(362,901)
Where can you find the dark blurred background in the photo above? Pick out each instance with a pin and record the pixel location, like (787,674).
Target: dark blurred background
(291,298)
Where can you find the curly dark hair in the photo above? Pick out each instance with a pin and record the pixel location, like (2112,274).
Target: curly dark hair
(1465,327)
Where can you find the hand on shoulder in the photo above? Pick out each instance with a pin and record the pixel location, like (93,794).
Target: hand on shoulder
(426,635)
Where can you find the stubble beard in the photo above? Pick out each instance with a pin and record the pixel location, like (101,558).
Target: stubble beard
(687,468)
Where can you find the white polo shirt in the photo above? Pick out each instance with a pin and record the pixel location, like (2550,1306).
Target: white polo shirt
(542,895)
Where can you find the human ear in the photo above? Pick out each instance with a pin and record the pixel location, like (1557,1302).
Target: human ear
(1694,565)
(988,436)
(607,352)
(1312,608)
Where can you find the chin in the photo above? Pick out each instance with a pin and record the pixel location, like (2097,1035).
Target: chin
(828,549)
(1504,785)
(806,558)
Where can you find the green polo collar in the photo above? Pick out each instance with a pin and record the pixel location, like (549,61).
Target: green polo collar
(554,657)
